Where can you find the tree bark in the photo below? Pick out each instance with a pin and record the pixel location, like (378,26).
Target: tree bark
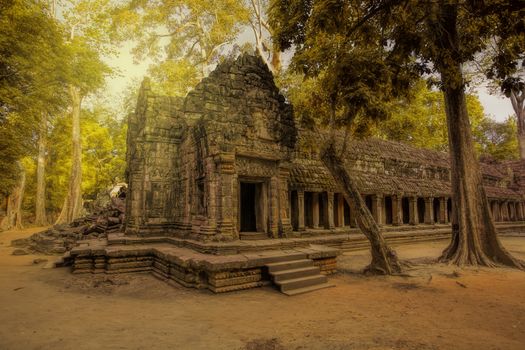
(384,260)
(72,207)
(517,98)
(474,238)
(13,218)
(40,200)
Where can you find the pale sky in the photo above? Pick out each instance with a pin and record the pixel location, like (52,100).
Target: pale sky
(498,107)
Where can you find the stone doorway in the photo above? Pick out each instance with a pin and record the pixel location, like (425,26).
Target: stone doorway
(252,207)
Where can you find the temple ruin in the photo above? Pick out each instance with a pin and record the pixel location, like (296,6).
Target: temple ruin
(223,183)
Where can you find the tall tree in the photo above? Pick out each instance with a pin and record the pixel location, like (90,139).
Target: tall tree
(31,57)
(87,24)
(372,51)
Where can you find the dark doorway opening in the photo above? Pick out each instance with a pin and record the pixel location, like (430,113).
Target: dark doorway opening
(308,220)
(421,210)
(248,215)
(294,207)
(368,202)
(323,210)
(436,209)
(346,214)
(405,205)
(388,210)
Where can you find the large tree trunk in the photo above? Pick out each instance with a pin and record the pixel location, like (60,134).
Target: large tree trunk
(40,200)
(517,98)
(13,218)
(73,202)
(474,239)
(384,259)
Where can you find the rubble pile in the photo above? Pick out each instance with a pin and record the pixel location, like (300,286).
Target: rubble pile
(61,238)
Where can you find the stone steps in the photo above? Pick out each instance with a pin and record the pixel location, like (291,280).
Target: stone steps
(297,276)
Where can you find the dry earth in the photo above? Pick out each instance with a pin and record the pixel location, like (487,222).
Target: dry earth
(433,307)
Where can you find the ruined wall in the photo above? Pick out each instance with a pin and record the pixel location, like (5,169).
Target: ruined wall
(154,132)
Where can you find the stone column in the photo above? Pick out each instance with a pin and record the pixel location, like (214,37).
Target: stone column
(442,210)
(300,209)
(330,208)
(225,221)
(377,208)
(274,207)
(315,210)
(495,211)
(340,210)
(504,211)
(414,220)
(397,210)
(211,193)
(285,224)
(429,211)
(520,210)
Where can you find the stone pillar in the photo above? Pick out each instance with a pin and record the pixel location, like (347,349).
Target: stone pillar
(504,211)
(495,210)
(330,208)
(520,211)
(377,208)
(397,210)
(414,220)
(273,228)
(285,223)
(429,211)
(442,210)
(211,194)
(340,205)
(226,167)
(315,210)
(300,209)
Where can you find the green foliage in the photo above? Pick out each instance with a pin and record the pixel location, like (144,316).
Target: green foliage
(103,154)
(498,139)
(369,53)
(184,37)
(31,52)
(421,119)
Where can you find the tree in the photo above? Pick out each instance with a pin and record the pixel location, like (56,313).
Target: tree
(514,89)
(373,51)
(497,140)
(185,37)
(421,121)
(87,24)
(31,55)
(262,33)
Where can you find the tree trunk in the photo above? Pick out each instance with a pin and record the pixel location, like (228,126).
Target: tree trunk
(384,259)
(73,202)
(13,218)
(40,200)
(517,98)
(474,239)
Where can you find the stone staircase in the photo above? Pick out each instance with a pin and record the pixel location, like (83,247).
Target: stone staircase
(297,275)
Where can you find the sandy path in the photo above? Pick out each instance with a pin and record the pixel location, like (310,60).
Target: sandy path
(433,309)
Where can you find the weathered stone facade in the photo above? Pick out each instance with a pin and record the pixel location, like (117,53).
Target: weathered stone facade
(228,162)
(215,178)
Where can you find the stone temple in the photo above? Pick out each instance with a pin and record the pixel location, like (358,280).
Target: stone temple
(226,192)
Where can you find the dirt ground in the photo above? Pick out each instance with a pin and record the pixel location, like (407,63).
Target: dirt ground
(433,307)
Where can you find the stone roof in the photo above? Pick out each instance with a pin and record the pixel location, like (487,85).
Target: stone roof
(389,167)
